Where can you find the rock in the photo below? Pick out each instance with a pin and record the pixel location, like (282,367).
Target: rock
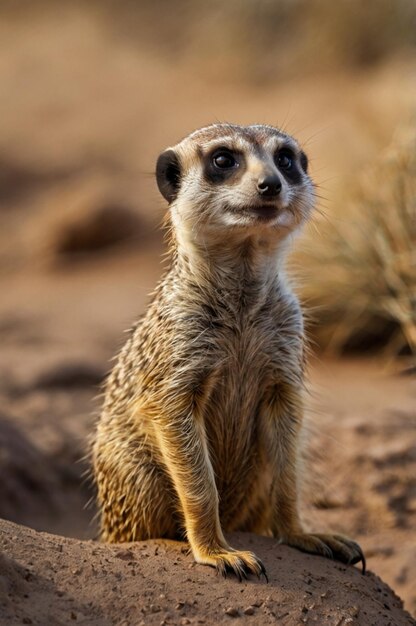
(68,376)
(97,227)
(249,610)
(232,612)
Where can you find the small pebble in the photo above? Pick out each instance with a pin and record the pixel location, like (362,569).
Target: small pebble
(232,612)
(249,610)
(124,555)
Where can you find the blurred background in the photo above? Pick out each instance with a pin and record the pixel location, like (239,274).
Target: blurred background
(91,93)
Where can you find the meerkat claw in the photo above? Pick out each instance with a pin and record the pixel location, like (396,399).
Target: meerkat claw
(357,559)
(330,546)
(242,565)
(360,557)
(357,556)
(263,573)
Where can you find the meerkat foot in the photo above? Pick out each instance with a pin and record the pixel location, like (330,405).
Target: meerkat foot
(335,547)
(237,562)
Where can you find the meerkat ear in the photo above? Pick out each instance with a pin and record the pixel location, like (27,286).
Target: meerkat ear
(168,174)
(304,161)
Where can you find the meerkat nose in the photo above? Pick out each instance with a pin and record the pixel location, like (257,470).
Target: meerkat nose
(269,186)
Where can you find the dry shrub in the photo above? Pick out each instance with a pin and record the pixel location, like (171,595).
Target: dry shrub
(358,34)
(362,277)
(252,41)
(260,40)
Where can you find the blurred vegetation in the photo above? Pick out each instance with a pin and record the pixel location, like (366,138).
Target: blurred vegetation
(262,39)
(111,102)
(258,40)
(362,278)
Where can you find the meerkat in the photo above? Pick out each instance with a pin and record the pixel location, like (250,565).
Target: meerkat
(199,433)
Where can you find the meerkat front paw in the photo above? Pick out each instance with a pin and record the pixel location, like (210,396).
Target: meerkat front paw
(238,562)
(335,547)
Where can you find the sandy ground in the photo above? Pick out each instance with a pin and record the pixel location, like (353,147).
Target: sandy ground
(47,579)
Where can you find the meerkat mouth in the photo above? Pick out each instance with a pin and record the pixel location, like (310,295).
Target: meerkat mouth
(264,212)
(258,213)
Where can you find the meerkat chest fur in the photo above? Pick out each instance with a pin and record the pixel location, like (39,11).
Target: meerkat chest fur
(243,332)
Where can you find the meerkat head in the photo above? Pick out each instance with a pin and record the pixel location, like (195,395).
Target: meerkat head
(236,178)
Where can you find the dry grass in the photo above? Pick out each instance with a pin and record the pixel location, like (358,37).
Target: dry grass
(362,278)
(257,41)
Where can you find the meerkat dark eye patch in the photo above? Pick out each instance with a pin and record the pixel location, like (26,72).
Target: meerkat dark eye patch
(288,165)
(168,175)
(285,160)
(224,160)
(221,164)
(304,161)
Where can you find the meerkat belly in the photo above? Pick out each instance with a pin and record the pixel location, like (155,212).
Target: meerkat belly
(236,443)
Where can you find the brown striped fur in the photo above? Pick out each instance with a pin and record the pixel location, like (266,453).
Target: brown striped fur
(203,410)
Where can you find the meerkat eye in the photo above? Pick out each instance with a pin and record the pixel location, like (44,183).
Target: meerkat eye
(284,160)
(224,160)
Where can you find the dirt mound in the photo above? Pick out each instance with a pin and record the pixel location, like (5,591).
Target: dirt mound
(42,488)
(101,227)
(26,481)
(46,579)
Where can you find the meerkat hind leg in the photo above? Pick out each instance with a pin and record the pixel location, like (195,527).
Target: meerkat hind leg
(138,502)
